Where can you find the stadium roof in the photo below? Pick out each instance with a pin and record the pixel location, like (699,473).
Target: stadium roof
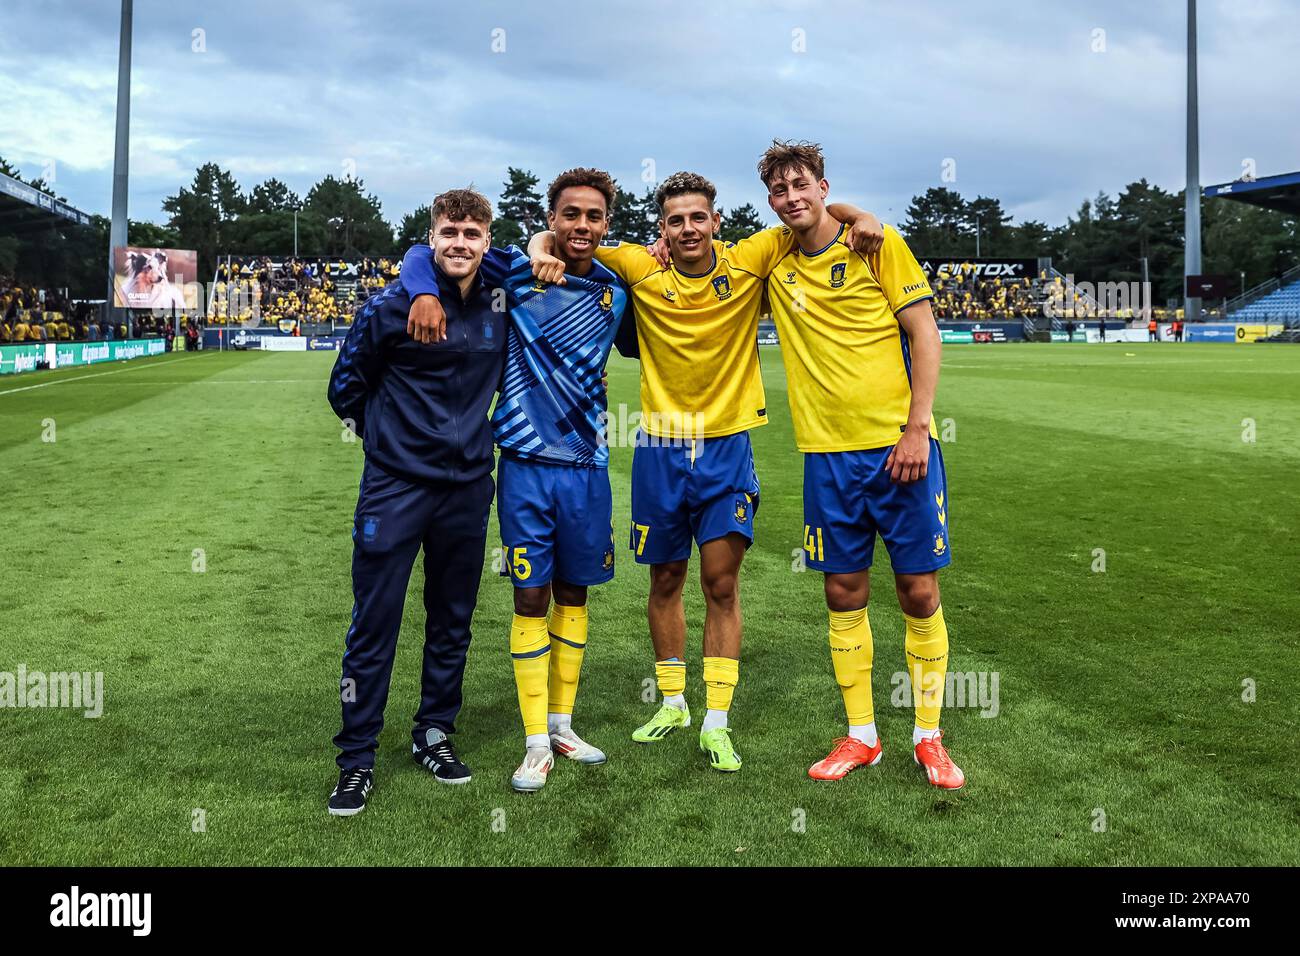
(24,207)
(1281,193)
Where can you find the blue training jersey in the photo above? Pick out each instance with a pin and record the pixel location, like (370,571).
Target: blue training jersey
(552,406)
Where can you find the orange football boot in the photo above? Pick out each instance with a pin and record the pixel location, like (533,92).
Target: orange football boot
(847,754)
(939,768)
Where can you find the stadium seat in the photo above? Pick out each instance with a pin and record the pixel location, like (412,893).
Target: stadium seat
(1281,304)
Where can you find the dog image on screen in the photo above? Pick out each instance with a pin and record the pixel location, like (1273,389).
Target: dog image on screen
(147,285)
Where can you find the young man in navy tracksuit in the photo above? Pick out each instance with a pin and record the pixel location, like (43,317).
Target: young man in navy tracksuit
(421,410)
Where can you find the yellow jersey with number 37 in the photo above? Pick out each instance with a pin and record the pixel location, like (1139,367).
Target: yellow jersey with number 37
(698,335)
(847,364)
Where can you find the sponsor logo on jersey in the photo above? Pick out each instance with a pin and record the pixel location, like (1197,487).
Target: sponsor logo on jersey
(789,278)
(915,287)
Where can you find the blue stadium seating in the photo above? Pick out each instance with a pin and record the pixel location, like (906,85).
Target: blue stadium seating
(1278,305)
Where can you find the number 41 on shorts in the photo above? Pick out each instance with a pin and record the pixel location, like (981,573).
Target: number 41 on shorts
(812,543)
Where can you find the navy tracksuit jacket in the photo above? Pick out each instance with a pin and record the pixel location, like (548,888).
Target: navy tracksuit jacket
(422,414)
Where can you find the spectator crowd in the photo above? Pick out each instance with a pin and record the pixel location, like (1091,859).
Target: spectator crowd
(31,315)
(258,290)
(963,295)
(303,291)
(28,314)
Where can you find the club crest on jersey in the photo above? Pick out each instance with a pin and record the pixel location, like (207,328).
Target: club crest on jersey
(609,559)
(939,546)
(741,513)
(607,298)
(369,529)
(722,287)
(837,275)
(488,331)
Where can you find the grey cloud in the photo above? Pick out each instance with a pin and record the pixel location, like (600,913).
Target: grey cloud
(412,92)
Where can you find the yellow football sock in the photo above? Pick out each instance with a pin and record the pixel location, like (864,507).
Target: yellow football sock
(568,627)
(851,654)
(671,676)
(927,662)
(530,646)
(720,677)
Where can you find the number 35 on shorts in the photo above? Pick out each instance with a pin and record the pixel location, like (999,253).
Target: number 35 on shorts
(515,562)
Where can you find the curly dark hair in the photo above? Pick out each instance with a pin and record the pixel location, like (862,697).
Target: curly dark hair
(597,179)
(680,184)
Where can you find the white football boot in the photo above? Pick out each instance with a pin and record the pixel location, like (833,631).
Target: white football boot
(568,744)
(531,775)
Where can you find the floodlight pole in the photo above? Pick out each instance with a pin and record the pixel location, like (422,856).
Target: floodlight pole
(1192,193)
(121,154)
(1146,290)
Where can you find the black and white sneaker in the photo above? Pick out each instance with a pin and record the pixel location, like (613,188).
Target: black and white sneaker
(350,794)
(438,757)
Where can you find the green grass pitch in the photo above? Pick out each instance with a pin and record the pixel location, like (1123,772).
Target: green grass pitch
(1123,735)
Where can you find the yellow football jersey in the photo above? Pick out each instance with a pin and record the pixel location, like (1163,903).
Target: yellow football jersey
(698,335)
(847,365)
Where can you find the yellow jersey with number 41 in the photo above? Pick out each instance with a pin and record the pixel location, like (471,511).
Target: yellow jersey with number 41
(847,365)
(698,335)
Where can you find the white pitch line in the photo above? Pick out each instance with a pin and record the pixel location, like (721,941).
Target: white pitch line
(78,378)
(232,381)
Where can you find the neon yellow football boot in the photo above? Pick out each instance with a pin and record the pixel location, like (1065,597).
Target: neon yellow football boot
(717,744)
(666,719)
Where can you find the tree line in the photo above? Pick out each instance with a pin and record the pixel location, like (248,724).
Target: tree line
(1105,240)
(1108,237)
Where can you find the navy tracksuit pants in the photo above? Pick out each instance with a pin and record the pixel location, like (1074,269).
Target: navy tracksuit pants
(394,520)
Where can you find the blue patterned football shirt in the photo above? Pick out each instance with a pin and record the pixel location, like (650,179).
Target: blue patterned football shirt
(552,406)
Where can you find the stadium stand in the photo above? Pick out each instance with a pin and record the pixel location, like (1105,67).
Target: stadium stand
(963,294)
(310,292)
(1277,300)
(1280,302)
(28,314)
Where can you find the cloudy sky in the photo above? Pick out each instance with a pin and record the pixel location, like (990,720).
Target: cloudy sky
(1037,102)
